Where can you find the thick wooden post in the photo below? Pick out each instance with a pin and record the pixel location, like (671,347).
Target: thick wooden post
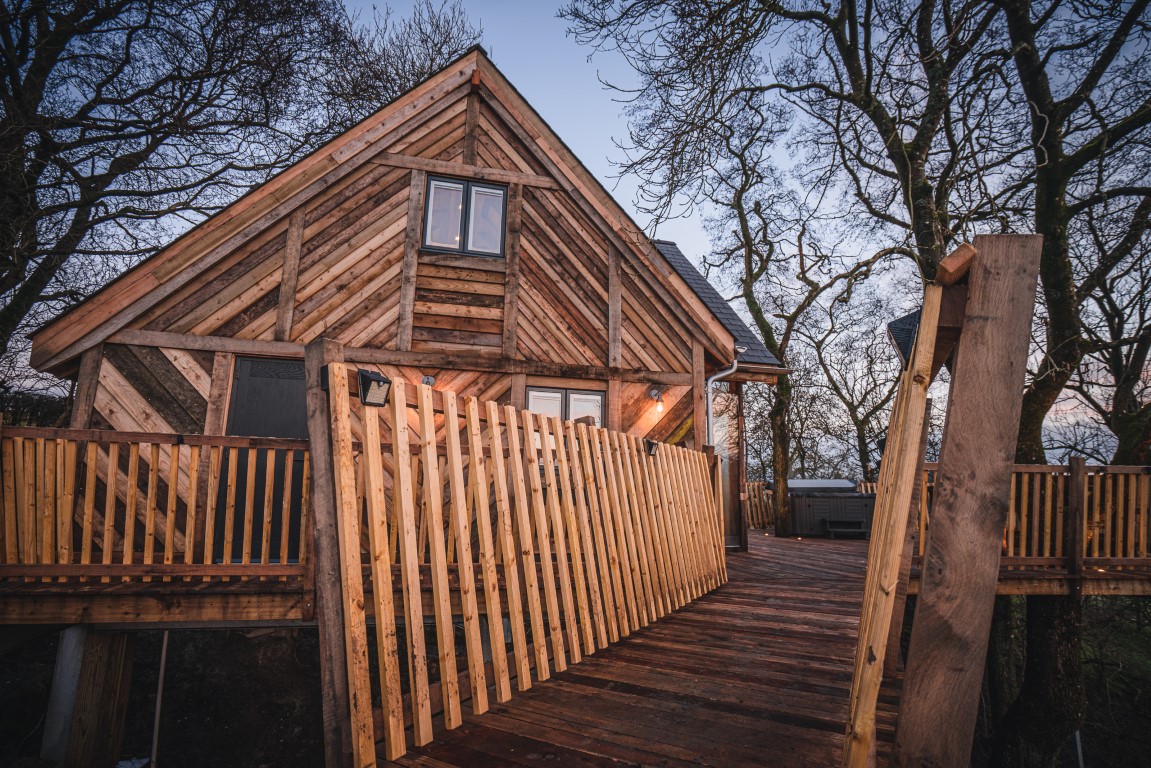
(329,600)
(101,700)
(1073,526)
(961,563)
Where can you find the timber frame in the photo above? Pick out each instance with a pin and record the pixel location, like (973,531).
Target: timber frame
(332,248)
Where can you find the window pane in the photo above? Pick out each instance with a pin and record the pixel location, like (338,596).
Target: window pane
(582,404)
(445,203)
(545,402)
(486,228)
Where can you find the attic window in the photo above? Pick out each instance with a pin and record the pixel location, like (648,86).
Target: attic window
(465,217)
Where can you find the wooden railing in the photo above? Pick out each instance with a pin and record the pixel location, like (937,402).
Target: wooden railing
(760,505)
(574,536)
(93,505)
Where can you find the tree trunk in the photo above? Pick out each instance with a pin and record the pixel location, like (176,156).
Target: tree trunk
(781,453)
(1051,705)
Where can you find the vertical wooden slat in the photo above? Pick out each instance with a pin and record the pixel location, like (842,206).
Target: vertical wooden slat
(45,478)
(25,465)
(655,518)
(404,504)
(9,475)
(441,600)
(112,474)
(191,508)
(153,492)
(636,511)
(130,512)
(286,506)
(250,506)
(269,503)
(671,536)
(603,563)
(574,542)
(170,507)
(624,541)
(620,574)
(66,499)
(305,508)
(516,459)
(508,547)
(387,649)
(230,507)
(1048,509)
(210,499)
(1129,510)
(495,622)
(462,534)
(558,537)
(92,451)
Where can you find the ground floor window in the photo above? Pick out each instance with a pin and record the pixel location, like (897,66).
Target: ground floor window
(568,404)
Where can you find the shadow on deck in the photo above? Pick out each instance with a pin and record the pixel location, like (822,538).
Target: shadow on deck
(757,672)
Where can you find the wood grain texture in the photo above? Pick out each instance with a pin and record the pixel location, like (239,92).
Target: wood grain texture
(961,565)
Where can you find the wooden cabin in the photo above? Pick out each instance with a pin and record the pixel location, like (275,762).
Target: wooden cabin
(452,235)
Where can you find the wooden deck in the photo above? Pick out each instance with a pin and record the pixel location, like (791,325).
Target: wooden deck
(757,672)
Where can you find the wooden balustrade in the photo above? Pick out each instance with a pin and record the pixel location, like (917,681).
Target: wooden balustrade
(82,505)
(571,536)
(760,505)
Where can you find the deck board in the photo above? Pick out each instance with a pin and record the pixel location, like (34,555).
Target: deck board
(757,672)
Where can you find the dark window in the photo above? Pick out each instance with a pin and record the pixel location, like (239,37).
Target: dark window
(268,400)
(465,217)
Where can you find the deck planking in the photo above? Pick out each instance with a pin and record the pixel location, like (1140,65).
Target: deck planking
(756,672)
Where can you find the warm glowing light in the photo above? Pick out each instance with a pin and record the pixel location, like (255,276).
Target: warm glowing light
(659,405)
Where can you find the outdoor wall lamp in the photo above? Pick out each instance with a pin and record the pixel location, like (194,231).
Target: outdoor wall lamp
(652,446)
(656,395)
(374,387)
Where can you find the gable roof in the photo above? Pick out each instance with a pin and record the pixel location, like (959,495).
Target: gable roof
(60,342)
(756,353)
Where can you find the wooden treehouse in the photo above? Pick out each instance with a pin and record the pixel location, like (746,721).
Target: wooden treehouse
(432,373)
(434,376)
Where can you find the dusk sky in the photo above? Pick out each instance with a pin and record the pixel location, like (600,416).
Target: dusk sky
(531,47)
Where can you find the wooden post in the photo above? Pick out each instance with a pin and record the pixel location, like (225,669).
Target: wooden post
(512,271)
(62,699)
(961,563)
(87,382)
(699,395)
(286,306)
(329,600)
(412,238)
(101,701)
(1073,526)
(893,659)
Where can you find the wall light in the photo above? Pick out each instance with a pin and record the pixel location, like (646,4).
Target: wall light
(656,395)
(652,446)
(374,387)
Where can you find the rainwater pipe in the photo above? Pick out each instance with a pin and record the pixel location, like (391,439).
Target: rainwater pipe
(713,379)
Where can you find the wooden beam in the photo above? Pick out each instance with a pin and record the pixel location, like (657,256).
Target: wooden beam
(955,265)
(347,509)
(614,308)
(471,125)
(286,307)
(893,657)
(512,271)
(961,563)
(699,395)
(102,701)
(614,419)
(326,548)
(87,382)
(62,698)
(465,169)
(439,360)
(519,391)
(899,475)
(412,237)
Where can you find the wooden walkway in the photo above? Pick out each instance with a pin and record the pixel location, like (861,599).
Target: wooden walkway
(756,673)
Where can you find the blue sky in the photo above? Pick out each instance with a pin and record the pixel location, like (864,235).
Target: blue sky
(531,47)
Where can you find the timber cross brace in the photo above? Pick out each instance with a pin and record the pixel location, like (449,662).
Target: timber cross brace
(435,509)
(977,315)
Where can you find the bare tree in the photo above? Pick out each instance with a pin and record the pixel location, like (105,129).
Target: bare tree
(859,368)
(122,121)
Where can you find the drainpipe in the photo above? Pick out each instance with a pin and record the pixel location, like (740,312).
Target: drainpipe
(707,389)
